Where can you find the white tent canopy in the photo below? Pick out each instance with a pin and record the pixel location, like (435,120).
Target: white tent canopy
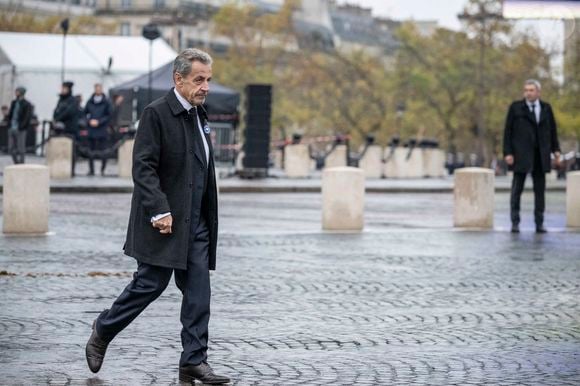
(34,61)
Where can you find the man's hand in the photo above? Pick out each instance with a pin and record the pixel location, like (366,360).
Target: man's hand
(509,159)
(557,159)
(94,122)
(164,224)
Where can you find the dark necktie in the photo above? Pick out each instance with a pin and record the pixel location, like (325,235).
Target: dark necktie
(197,134)
(533,106)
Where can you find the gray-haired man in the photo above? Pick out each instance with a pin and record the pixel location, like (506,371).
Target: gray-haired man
(173,222)
(530,137)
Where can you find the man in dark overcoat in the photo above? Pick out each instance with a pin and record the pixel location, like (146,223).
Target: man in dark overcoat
(174,221)
(67,111)
(530,137)
(19,118)
(97,113)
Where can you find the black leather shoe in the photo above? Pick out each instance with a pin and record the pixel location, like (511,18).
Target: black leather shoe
(515,228)
(203,373)
(541,229)
(95,350)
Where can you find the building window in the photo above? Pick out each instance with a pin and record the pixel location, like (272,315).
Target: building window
(125,4)
(158,4)
(125,29)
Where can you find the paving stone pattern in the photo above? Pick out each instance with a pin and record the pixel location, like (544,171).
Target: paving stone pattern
(410,301)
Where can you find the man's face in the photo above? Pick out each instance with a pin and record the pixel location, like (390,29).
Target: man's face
(195,86)
(65,90)
(18,93)
(98,89)
(531,92)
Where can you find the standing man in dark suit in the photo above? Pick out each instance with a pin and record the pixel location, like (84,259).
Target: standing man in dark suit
(173,222)
(19,117)
(530,137)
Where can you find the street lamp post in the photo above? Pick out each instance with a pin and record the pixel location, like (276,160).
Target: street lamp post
(150,32)
(64,25)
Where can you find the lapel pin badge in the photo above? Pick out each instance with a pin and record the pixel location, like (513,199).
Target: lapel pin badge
(206,129)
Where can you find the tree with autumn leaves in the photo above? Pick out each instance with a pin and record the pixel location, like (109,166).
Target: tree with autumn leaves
(434,77)
(434,86)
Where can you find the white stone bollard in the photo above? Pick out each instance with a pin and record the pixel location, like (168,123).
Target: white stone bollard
(125,159)
(434,163)
(343,196)
(372,162)
(474,198)
(414,165)
(337,158)
(59,157)
(393,165)
(297,161)
(26,199)
(573,199)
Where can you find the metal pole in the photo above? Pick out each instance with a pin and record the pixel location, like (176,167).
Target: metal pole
(64,25)
(63,56)
(150,70)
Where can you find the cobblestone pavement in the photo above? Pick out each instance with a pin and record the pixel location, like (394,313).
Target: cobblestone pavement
(410,301)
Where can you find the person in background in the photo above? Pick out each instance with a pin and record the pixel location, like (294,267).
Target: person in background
(18,119)
(5,111)
(116,112)
(98,115)
(66,110)
(530,137)
(66,116)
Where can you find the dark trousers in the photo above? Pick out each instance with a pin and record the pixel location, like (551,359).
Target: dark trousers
(150,281)
(97,145)
(17,145)
(539,180)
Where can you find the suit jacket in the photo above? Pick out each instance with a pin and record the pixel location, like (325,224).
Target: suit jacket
(24,114)
(169,174)
(522,135)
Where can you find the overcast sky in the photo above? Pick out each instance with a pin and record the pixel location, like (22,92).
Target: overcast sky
(549,32)
(445,12)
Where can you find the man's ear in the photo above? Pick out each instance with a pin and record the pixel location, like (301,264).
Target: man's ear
(177,79)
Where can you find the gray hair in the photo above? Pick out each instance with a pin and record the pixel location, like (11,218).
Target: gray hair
(182,63)
(533,82)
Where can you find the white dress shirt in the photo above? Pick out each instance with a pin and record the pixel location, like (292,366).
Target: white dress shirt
(536,105)
(187,106)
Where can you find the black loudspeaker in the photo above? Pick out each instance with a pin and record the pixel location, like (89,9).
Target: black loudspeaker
(257,134)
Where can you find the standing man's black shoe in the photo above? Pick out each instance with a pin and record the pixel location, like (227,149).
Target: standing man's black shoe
(541,229)
(515,228)
(203,373)
(95,351)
